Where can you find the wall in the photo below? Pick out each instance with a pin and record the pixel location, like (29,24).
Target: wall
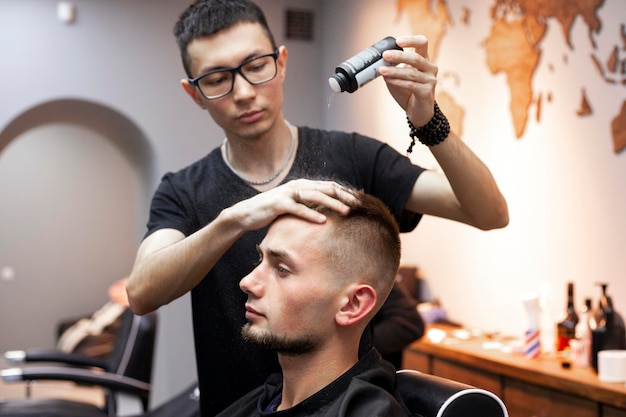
(563,182)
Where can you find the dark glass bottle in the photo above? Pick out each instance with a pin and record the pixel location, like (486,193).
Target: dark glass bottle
(566,327)
(607,327)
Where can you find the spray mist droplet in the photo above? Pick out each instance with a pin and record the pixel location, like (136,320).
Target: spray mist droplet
(331,99)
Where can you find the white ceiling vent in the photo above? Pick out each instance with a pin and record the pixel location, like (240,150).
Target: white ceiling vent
(299,25)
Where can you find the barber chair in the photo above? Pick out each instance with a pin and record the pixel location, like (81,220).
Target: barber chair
(126,372)
(422,394)
(184,404)
(433,396)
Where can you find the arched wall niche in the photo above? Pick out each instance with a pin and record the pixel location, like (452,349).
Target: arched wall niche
(122,132)
(76,189)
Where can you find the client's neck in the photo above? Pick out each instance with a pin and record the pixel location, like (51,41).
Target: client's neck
(304,375)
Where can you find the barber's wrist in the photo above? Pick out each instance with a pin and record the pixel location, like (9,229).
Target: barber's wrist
(432,133)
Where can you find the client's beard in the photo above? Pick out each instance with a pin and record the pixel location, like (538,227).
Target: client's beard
(280,344)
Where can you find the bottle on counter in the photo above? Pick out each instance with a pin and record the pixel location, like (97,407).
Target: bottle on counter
(566,327)
(582,355)
(607,327)
(532,335)
(547,329)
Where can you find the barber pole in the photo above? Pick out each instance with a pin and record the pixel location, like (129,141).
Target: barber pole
(532,345)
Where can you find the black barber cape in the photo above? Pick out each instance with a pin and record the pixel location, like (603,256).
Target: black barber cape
(366,389)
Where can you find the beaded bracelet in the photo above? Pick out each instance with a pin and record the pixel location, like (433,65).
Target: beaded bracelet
(432,133)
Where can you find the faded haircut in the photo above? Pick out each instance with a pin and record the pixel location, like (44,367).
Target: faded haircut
(207,17)
(364,244)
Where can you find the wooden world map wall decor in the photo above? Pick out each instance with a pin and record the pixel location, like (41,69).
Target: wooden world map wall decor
(514,46)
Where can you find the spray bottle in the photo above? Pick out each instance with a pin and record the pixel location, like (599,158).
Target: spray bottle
(361,68)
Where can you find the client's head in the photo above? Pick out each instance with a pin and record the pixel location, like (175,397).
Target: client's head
(316,282)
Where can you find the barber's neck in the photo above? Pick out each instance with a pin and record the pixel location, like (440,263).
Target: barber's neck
(265,160)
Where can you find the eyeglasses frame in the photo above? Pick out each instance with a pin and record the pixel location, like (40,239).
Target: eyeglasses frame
(234,71)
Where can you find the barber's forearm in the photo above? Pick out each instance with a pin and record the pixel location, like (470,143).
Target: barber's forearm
(163,273)
(475,188)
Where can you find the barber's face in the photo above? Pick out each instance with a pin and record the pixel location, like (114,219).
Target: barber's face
(291,301)
(248,110)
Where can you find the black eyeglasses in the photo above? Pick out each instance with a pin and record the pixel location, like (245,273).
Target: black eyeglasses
(218,83)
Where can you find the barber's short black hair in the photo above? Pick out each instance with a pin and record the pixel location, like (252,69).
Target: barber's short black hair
(207,17)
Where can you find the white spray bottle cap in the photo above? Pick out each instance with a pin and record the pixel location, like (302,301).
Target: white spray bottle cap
(334,85)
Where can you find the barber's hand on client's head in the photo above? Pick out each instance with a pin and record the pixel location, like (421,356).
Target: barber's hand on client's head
(296,198)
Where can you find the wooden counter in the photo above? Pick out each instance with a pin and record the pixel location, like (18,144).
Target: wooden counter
(539,387)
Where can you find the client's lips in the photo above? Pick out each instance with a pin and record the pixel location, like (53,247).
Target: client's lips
(252,313)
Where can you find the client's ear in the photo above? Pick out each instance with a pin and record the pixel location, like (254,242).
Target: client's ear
(358,302)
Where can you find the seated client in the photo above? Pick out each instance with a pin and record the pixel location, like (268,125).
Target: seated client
(310,298)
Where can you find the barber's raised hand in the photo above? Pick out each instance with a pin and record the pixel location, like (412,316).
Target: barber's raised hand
(295,197)
(413,79)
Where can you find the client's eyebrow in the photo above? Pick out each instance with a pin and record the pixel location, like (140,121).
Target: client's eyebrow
(277,254)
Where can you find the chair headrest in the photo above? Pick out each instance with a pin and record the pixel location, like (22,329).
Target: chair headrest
(433,396)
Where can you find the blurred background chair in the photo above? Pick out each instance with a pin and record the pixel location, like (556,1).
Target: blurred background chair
(433,396)
(125,372)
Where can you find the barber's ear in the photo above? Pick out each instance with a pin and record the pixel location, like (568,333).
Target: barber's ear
(192,92)
(282,61)
(359,301)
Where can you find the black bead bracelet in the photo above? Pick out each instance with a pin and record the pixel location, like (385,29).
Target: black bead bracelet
(432,133)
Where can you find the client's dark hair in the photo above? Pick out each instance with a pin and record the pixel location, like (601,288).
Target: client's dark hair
(365,243)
